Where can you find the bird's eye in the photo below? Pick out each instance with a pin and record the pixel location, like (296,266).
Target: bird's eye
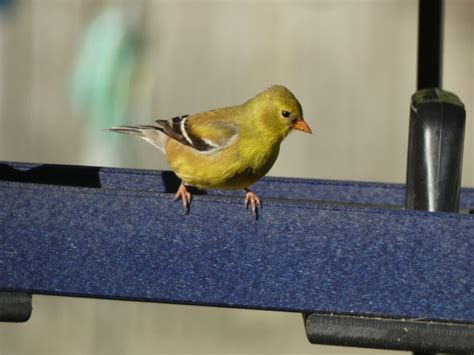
(285,114)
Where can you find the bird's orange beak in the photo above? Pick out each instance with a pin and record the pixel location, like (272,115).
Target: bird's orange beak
(301,125)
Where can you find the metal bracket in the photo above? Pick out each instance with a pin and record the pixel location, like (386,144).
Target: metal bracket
(396,334)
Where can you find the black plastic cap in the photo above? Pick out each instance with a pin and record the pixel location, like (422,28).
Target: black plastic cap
(435,149)
(15,307)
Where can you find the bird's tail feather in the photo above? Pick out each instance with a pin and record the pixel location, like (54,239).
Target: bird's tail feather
(135,130)
(152,134)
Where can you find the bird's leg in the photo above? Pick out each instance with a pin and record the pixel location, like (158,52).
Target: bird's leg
(184,195)
(254,201)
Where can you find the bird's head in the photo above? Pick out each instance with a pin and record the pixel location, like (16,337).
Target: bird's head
(281,110)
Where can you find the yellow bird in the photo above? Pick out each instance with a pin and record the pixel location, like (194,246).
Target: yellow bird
(226,148)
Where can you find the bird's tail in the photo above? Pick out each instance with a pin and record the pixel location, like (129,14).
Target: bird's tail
(152,134)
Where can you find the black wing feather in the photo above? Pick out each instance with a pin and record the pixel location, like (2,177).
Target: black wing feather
(176,128)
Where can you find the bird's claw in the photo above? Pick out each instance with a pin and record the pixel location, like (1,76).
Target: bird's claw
(254,201)
(185,197)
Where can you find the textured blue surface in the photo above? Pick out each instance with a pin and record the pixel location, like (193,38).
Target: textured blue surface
(128,242)
(381,194)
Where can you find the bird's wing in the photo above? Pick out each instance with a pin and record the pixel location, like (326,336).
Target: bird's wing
(204,132)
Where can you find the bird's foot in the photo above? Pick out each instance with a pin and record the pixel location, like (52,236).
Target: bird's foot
(185,196)
(253,200)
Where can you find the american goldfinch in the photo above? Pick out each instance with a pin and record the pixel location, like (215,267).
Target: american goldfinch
(226,148)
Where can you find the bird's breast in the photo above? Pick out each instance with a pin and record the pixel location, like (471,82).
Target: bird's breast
(235,167)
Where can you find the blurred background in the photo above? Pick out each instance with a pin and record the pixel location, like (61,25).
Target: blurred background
(71,68)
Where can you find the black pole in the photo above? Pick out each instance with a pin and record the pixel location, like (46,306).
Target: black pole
(437,121)
(430,44)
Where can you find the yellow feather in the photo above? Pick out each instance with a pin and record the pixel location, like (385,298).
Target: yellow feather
(254,130)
